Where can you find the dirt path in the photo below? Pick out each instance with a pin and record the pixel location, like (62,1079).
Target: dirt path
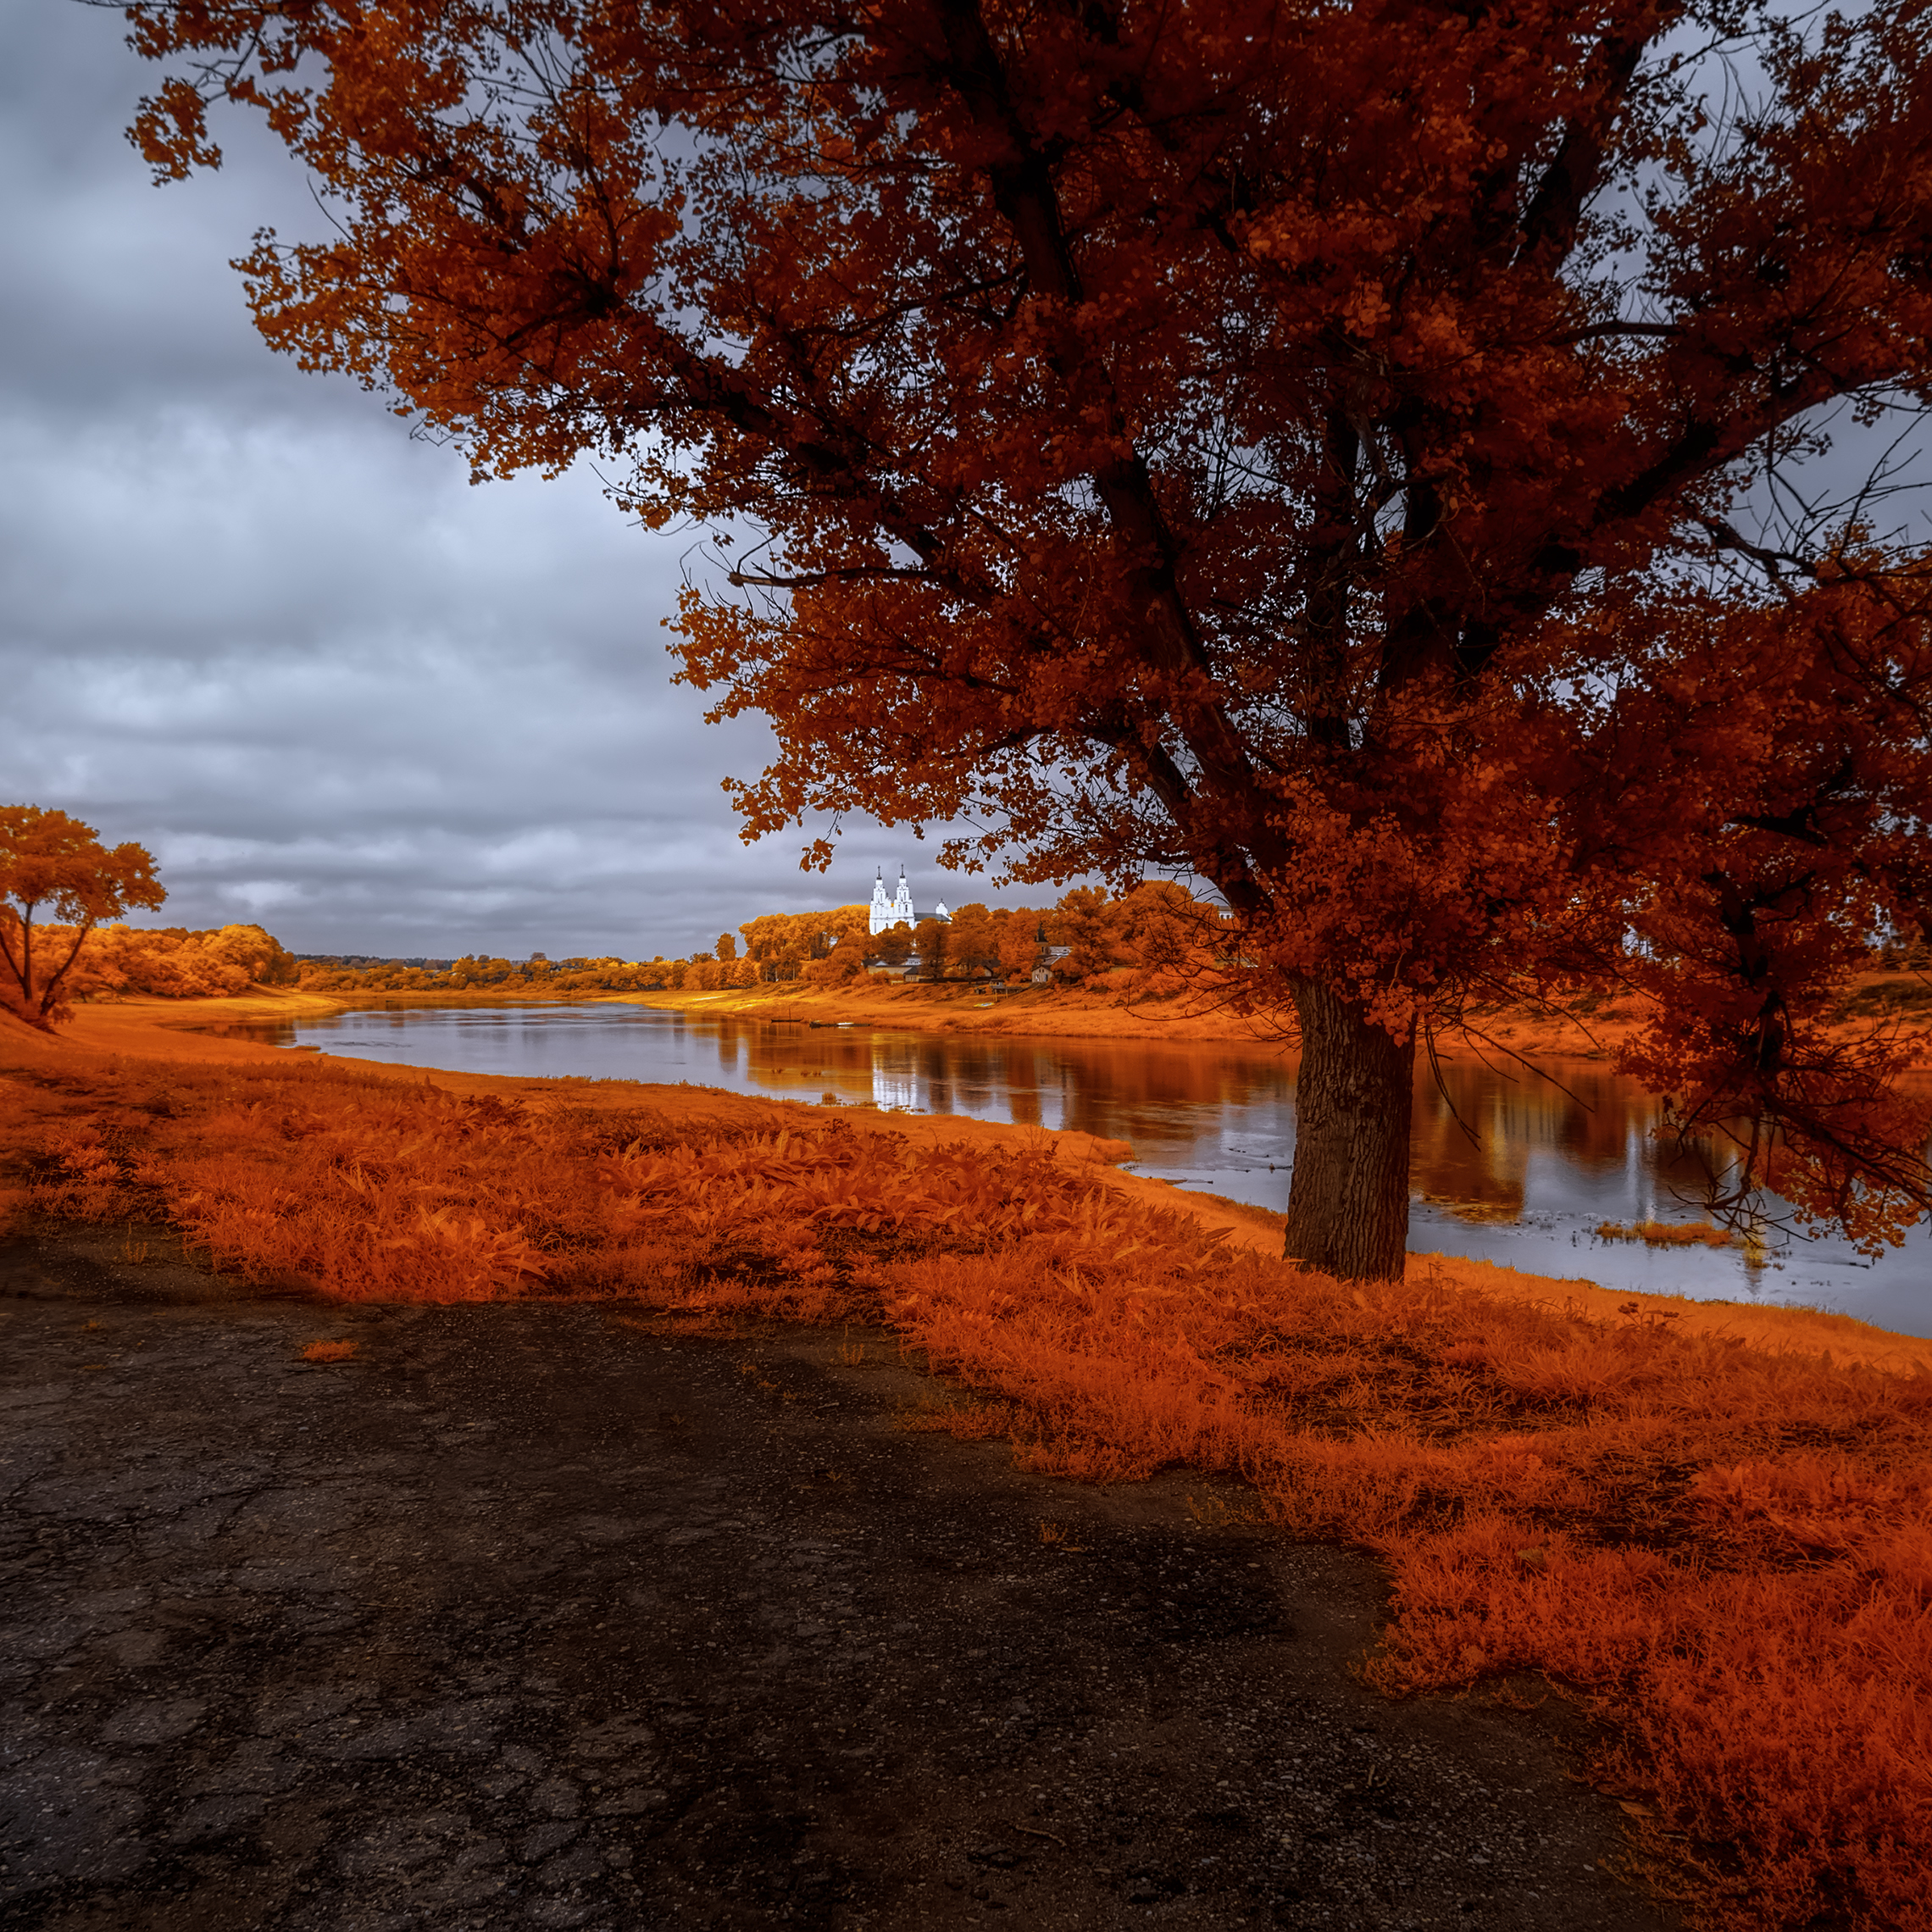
(527,1616)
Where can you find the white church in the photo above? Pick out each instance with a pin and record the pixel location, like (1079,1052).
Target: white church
(887,913)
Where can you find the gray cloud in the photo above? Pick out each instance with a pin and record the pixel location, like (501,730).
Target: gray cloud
(245,620)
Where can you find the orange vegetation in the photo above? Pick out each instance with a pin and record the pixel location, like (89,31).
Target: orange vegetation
(1723,1545)
(328,1352)
(111,963)
(172,962)
(1666,1234)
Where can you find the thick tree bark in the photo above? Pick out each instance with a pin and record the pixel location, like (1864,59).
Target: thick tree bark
(1348,1198)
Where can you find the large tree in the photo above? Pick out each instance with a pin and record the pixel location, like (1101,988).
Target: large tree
(1337,450)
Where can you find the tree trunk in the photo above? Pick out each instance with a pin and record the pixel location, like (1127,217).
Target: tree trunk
(1348,1197)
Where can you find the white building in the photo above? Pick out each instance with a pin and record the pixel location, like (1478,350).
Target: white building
(885,913)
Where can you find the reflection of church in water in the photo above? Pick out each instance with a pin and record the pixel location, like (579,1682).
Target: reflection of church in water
(895,1074)
(887,913)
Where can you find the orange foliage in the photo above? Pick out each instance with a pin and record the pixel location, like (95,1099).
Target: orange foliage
(175,964)
(1725,1551)
(787,945)
(49,860)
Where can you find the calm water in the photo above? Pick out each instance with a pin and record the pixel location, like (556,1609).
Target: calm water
(1546,1167)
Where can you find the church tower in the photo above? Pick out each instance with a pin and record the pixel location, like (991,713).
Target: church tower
(903,906)
(881,907)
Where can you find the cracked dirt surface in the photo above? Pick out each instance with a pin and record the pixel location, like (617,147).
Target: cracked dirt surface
(529,1616)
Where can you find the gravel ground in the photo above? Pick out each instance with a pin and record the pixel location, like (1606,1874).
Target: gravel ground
(531,1616)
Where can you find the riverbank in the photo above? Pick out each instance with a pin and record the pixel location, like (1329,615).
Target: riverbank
(1076,1013)
(1594,1031)
(1051,1012)
(1630,1504)
(161,1029)
(946,1007)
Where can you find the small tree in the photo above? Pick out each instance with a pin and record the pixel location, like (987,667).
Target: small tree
(973,943)
(53,864)
(1090,924)
(929,941)
(1018,947)
(845,960)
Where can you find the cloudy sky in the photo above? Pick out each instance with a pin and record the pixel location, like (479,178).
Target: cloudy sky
(247,621)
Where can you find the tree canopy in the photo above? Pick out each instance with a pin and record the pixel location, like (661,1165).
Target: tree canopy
(1364,455)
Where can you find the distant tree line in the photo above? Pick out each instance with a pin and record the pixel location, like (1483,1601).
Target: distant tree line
(1155,938)
(480,972)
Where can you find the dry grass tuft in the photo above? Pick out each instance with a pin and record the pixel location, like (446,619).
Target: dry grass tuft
(1724,1550)
(1666,1234)
(328,1352)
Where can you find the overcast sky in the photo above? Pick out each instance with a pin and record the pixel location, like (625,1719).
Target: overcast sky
(247,622)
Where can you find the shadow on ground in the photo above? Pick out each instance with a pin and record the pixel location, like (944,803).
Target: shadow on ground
(531,1616)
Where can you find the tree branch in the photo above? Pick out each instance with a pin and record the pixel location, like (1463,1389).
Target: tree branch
(1551,222)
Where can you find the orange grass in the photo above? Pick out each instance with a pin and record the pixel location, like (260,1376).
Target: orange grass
(1665,1234)
(328,1352)
(1724,1550)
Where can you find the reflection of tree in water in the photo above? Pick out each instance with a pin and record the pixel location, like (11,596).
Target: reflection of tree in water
(1473,1146)
(1596,1122)
(1110,1089)
(1149,1095)
(1163,1097)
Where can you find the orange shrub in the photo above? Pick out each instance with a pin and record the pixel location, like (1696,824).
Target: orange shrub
(171,963)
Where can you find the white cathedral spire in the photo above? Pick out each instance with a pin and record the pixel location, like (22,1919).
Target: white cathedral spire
(885,914)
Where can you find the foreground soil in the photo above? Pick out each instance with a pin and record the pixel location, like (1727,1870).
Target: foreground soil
(532,1615)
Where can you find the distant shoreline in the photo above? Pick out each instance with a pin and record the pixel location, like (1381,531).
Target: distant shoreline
(956,1006)
(1059,1013)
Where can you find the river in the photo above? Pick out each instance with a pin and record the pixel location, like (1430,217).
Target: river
(1508,1168)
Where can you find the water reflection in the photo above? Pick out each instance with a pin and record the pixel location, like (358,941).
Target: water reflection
(1507,1167)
